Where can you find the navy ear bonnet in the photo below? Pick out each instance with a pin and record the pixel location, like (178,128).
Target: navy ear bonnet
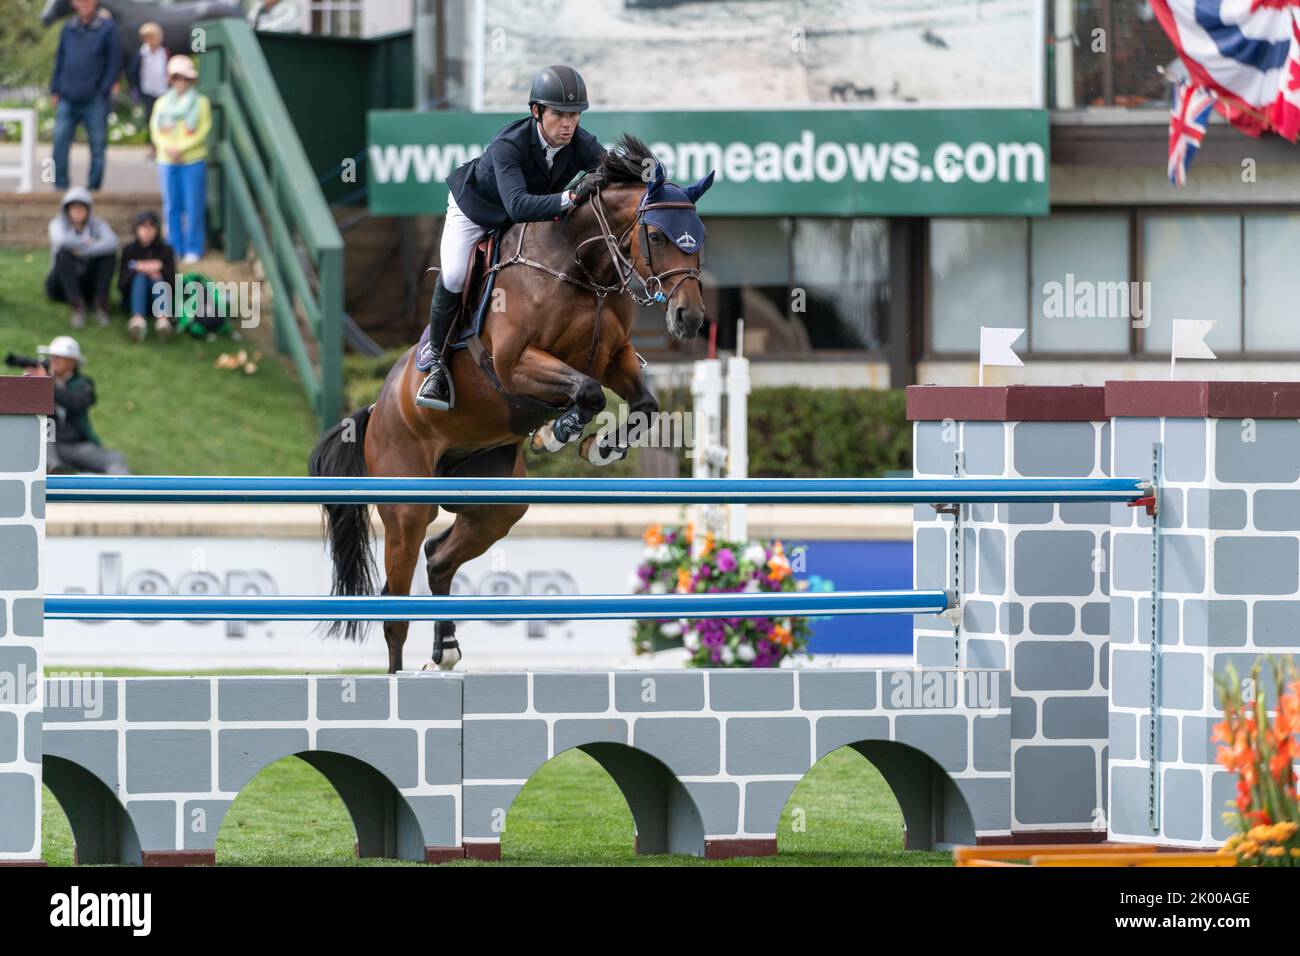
(681,224)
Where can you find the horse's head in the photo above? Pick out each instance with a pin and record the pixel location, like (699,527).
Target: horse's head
(659,231)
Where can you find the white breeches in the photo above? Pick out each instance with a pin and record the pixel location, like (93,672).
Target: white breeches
(459,233)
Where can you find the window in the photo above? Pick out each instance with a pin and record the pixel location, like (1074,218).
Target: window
(1193,263)
(1070,279)
(1272,251)
(977,277)
(1080,294)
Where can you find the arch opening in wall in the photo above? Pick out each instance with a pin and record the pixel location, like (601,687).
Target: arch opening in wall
(875,798)
(82,820)
(599,801)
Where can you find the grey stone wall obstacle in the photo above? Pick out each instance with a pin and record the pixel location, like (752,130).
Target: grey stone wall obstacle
(1057,617)
(1065,591)
(428,765)
(24,403)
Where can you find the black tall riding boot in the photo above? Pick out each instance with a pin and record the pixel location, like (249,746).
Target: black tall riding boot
(435,391)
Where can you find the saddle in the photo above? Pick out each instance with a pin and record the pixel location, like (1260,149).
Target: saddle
(525,413)
(479,281)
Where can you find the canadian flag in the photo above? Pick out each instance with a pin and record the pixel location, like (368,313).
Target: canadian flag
(1285,115)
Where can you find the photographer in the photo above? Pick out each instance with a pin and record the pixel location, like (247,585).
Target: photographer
(75,447)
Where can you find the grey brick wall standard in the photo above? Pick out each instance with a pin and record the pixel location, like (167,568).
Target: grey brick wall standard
(22,535)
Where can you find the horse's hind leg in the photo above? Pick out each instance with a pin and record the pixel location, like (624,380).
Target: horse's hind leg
(404,527)
(476,528)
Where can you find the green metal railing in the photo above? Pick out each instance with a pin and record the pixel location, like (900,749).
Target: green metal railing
(263,191)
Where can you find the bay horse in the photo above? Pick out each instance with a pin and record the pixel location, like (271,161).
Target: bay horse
(558,330)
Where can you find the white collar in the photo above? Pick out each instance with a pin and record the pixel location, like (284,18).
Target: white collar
(550,150)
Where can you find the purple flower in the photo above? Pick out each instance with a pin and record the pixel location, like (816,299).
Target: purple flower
(726,561)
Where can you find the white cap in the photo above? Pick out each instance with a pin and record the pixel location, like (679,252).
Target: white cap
(63,346)
(182,65)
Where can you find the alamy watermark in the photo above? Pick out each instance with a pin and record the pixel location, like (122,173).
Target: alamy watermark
(1086,299)
(210,300)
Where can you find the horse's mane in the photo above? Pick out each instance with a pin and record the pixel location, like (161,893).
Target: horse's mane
(627,160)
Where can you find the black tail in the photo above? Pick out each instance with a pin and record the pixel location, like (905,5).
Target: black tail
(341,453)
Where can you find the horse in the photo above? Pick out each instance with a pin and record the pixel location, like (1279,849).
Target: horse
(558,330)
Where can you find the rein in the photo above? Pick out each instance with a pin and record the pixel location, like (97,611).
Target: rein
(623,265)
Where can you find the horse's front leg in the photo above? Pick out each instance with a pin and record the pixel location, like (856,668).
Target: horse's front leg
(544,377)
(623,376)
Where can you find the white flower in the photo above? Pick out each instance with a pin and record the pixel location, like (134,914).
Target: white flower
(755,554)
(751,585)
(691,641)
(745,652)
(728,656)
(671,629)
(658,587)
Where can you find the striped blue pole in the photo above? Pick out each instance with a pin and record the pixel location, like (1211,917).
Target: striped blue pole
(557,607)
(462,491)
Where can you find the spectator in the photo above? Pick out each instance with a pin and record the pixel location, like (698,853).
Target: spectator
(179,127)
(83,250)
(75,446)
(147,264)
(86,68)
(275,16)
(146,74)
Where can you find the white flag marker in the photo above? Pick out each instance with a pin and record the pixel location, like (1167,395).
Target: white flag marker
(1189,341)
(995,348)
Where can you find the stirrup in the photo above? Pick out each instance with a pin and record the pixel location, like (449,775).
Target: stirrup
(437,404)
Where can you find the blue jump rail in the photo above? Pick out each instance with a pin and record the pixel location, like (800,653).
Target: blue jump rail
(559,607)
(461,491)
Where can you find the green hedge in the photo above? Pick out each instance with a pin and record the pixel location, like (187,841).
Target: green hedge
(793,432)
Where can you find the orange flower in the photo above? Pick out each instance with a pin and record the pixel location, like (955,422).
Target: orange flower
(782,635)
(778,566)
(690,533)
(708,545)
(683,581)
(654,536)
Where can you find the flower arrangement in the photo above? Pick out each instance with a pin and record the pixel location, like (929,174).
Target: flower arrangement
(1263,755)
(673,562)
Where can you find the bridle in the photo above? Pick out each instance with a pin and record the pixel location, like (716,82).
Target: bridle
(623,263)
(624,268)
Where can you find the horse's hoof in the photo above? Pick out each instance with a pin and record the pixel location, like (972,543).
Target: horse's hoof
(544,440)
(445,661)
(593,452)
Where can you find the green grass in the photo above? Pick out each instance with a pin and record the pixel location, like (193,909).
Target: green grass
(163,404)
(569,814)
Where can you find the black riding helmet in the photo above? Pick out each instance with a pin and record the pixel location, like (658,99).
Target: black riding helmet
(559,87)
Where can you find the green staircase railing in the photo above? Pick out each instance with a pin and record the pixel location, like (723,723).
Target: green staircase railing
(262,191)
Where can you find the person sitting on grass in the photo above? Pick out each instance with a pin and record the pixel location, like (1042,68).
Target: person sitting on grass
(83,251)
(148,270)
(75,446)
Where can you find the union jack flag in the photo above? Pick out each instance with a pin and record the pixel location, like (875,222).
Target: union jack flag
(1189,117)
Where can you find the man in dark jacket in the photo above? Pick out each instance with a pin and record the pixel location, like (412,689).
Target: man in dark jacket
(519,178)
(86,68)
(75,447)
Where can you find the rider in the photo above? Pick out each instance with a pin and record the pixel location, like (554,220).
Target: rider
(518,178)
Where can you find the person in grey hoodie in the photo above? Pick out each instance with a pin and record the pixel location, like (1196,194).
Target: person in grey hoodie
(83,251)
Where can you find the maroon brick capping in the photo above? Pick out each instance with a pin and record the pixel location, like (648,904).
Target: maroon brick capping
(1007,403)
(1203,399)
(26,395)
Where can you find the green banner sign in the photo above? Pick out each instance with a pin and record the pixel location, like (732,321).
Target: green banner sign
(767,163)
